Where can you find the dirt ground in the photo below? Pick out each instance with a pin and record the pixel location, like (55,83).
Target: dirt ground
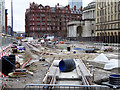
(41,61)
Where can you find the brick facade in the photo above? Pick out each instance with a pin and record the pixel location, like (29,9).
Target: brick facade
(40,20)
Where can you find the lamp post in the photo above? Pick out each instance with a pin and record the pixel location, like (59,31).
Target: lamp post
(12,17)
(101,24)
(33,33)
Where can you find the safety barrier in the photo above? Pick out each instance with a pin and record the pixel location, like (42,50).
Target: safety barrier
(65,87)
(4,50)
(109,44)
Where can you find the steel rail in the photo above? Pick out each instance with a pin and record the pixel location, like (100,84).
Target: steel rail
(84,79)
(56,85)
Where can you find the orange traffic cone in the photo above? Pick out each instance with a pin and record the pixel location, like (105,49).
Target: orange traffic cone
(63,41)
(59,42)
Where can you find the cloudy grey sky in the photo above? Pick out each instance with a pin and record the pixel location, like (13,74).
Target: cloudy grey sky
(20,7)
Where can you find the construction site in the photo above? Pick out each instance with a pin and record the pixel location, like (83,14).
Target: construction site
(50,64)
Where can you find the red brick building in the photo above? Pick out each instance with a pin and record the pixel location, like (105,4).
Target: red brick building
(40,20)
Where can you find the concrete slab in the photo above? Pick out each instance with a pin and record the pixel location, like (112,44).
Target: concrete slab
(71,78)
(52,71)
(68,75)
(69,82)
(82,67)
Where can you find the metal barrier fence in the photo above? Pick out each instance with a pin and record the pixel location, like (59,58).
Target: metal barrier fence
(4,40)
(66,87)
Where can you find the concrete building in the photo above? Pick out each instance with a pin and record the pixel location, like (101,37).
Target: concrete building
(89,11)
(81,30)
(85,28)
(2,16)
(40,20)
(89,16)
(108,21)
(9,30)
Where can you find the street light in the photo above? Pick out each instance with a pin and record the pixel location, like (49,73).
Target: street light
(101,24)
(12,16)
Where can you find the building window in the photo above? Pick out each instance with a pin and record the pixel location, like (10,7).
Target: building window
(119,6)
(111,17)
(114,25)
(38,23)
(119,25)
(108,18)
(108,10)
(119,16)
(115,17)
(43,19)
(115,9)
(106,26)
(97,27)
(43,15)
(111,26)
(98,20)
(111,9)
(97,13)
(43,23)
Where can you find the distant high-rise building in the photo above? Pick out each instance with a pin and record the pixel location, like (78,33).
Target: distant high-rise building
(2,16)
(6,21)
(75,5)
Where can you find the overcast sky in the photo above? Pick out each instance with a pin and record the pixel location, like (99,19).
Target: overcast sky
(20,7)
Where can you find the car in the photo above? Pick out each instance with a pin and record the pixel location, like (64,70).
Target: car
(90,50)
(24,40)
(14,46)
(21,48)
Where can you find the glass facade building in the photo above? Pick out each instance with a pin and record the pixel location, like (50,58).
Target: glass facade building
(2,16)
(77,3)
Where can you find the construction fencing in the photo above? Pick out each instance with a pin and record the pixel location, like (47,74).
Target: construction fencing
(67,87)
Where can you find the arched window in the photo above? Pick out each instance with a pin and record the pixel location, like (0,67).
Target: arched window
(108,33)
(98,34)
(105,34)
(115,33)
(111,33)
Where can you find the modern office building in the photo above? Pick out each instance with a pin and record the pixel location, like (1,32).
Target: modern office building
(77,3)
(108,21)
(75,6)
(2,16)
(40,20)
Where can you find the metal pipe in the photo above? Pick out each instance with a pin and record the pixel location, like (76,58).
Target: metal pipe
(66,85)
